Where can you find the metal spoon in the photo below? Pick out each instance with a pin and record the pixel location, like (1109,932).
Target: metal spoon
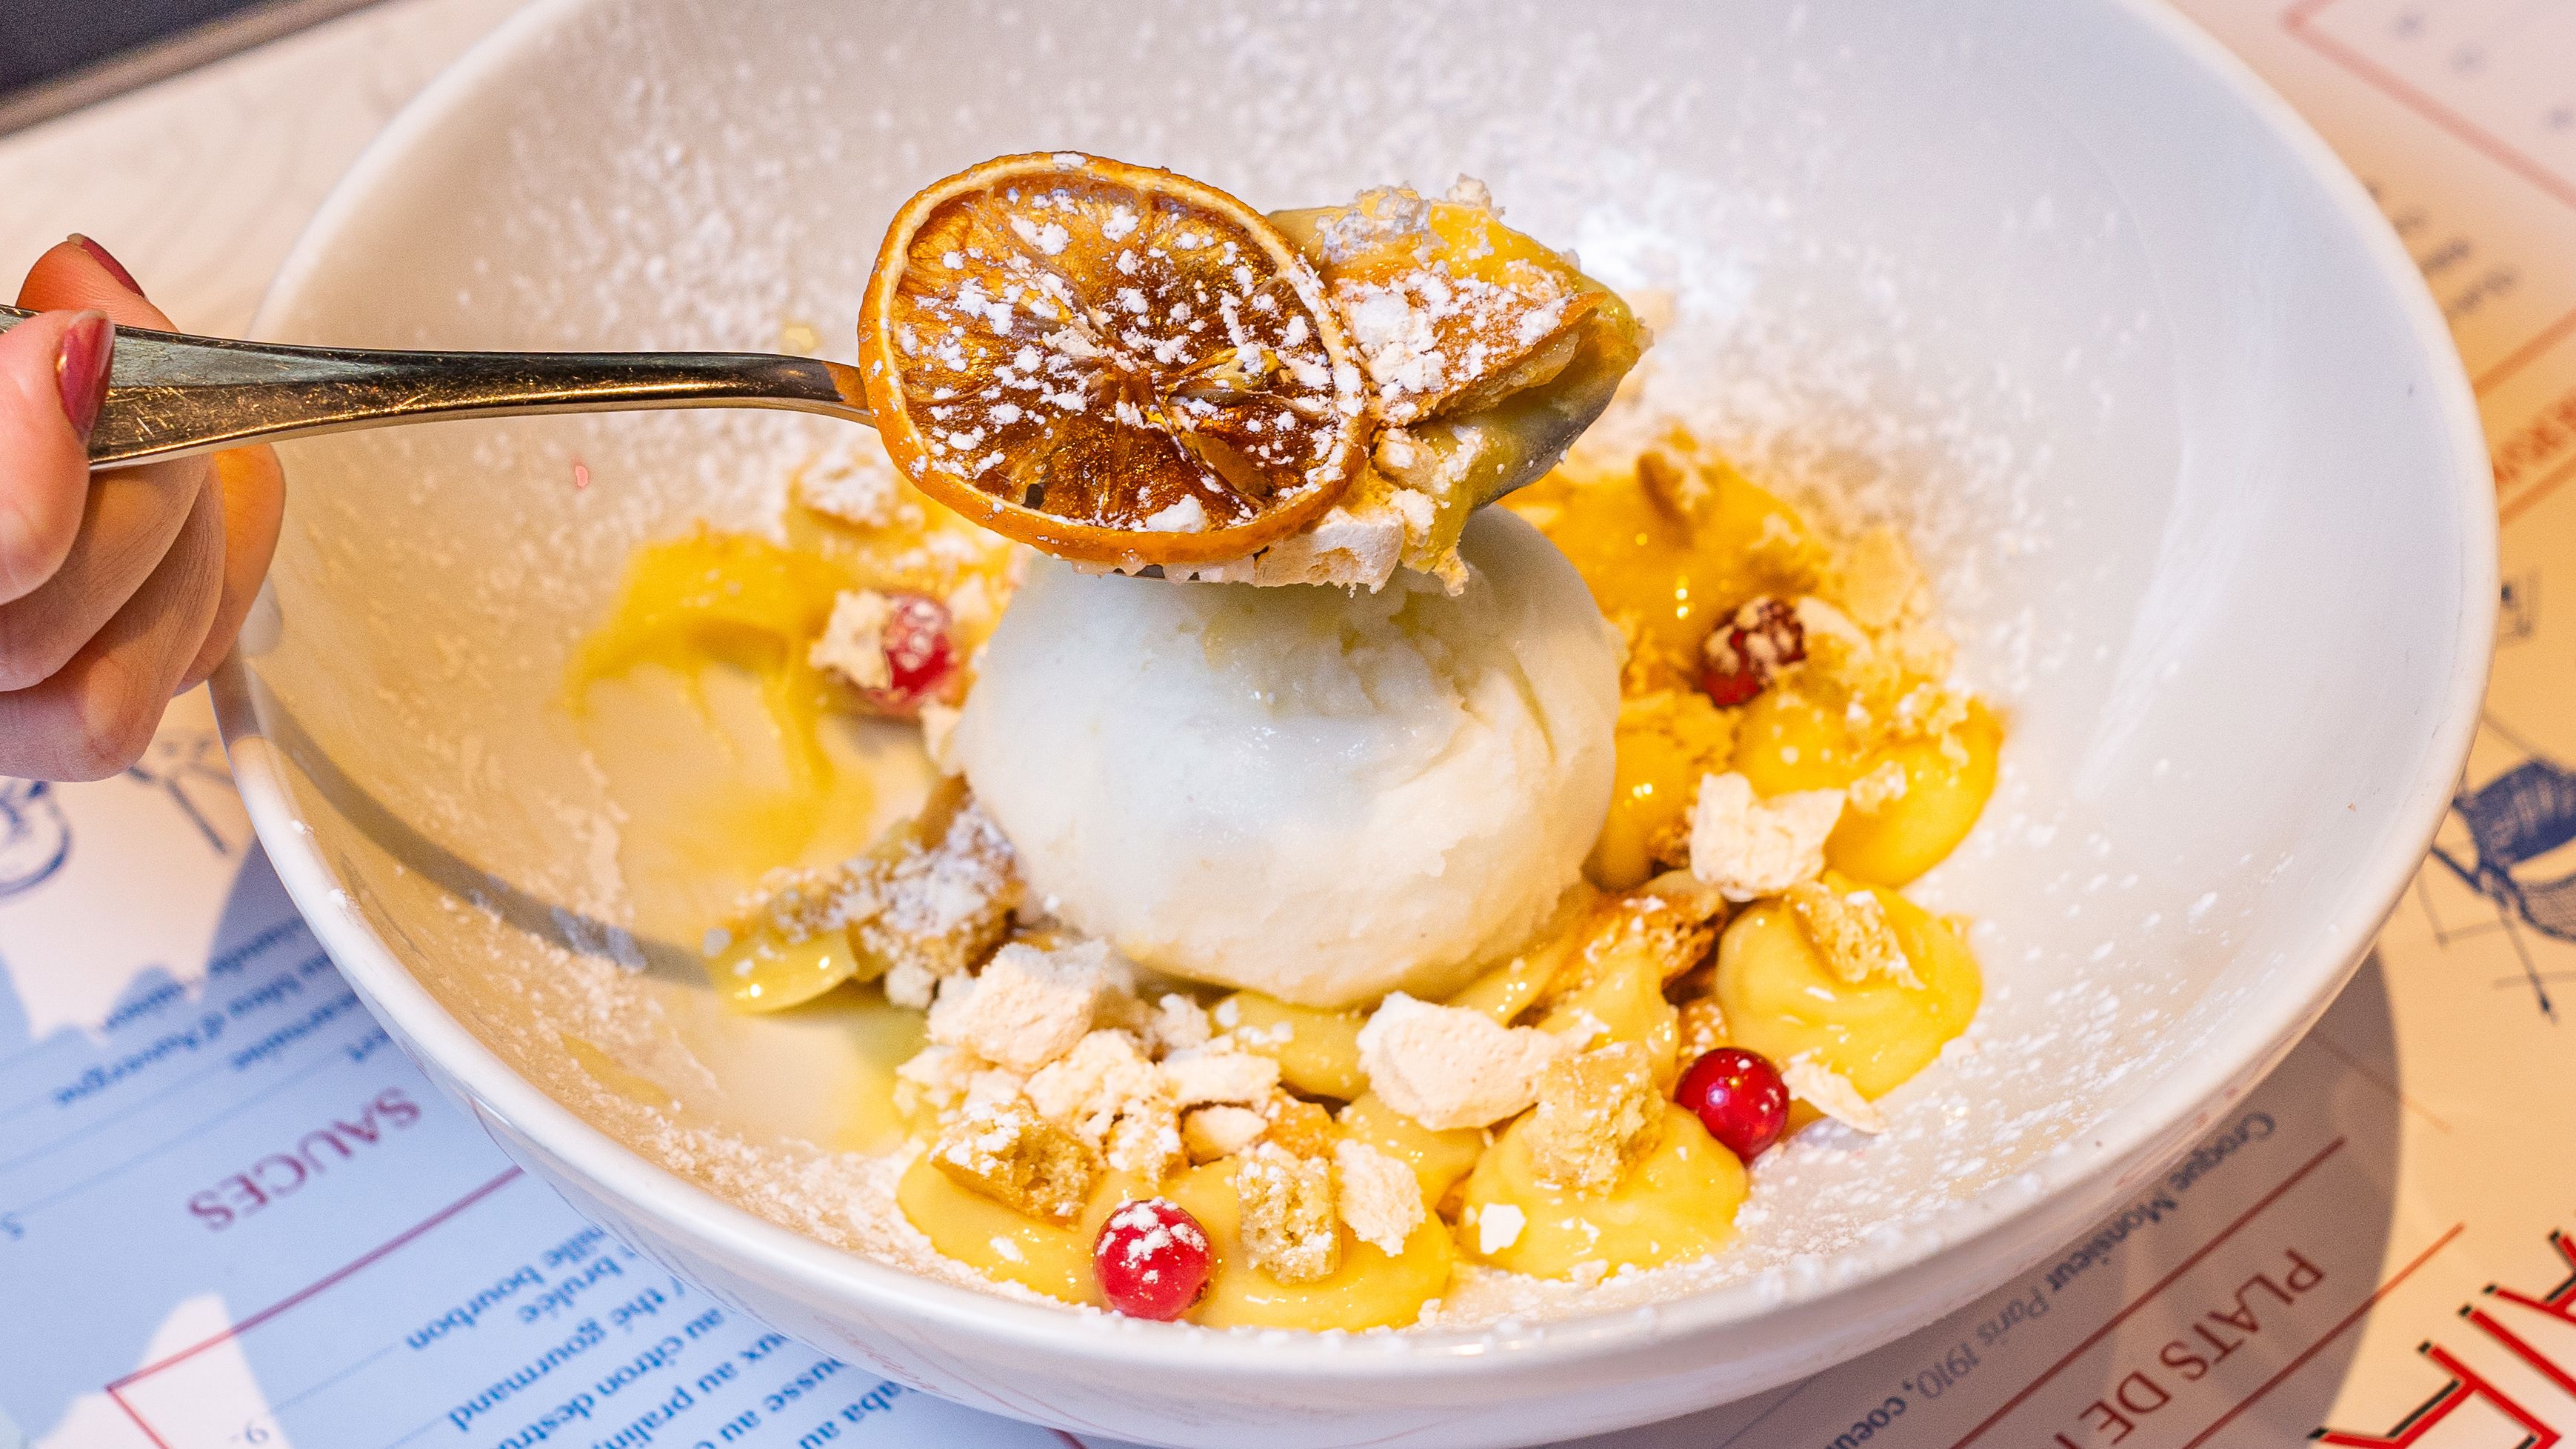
(170,395)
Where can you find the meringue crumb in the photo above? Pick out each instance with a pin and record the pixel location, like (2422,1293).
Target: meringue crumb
(853,641)
(1498,1226)
(1105,1092)
(1220,1072)
(1880,788)
(1380,1197)
(1447,1066)
(1211,1133)
(1829,1092)
(940,1080)
(1177,1024)
(1750,848)
(857,487)
(938,731)
(1026,1008)
(1468,191)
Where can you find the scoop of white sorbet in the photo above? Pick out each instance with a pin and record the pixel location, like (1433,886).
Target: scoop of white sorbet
(1318,794)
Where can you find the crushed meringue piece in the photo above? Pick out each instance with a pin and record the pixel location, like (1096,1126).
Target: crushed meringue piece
(1822,620)
(1498,1226)
(1829,1092)
(853,641)
(1680,479)
(853,483)
(1750,848)
(1178,1023)
(1447,1066)
(938,728)
(1288,1214)
(1343,547)
(1027,1007)
(1380,1197)
(1880,788)
(939,1080)
(1220,1072)
(1468,191)
(1210,1133)
(1105,1092)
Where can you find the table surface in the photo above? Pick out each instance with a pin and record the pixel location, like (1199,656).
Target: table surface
(2419,1134)
(200,183)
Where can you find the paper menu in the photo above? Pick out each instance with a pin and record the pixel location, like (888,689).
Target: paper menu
(232,1214)
(2379,1247)
(254,1225)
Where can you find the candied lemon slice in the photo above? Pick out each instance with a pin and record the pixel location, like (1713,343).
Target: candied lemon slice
(1110,362)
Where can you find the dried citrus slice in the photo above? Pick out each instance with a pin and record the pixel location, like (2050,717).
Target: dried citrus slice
(1113,363)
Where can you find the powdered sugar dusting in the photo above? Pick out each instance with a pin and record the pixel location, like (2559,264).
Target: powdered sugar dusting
(1868,373)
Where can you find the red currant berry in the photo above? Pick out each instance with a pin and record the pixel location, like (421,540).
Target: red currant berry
(1152,1259)
(1739,659)
(920,652)
(1739,1098)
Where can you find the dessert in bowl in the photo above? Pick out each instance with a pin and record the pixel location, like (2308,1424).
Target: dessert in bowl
(2130,494)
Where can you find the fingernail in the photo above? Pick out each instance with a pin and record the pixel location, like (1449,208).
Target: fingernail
(80,369)
(115,268)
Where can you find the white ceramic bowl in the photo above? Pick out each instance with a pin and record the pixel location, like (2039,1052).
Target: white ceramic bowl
(2052,280)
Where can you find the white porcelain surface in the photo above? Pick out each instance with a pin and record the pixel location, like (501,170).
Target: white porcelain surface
(2051,280)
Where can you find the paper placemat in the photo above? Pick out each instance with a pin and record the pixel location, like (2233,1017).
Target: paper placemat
(232,1215)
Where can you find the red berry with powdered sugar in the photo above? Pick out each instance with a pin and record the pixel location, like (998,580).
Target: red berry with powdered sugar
(1740,659)
(1152,1259)
(920,652)
(1739,1097)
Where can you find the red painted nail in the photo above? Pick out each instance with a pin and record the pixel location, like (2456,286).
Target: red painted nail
(115,268)
(80,369)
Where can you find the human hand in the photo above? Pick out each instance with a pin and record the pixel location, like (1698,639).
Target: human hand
(120,590)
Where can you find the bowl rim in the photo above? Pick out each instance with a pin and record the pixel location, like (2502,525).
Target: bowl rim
(2084,1169)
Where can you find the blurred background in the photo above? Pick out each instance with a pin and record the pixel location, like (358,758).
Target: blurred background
(56,55)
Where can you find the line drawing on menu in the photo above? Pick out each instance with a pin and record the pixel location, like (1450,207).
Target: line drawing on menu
(35,836)
(2513,820)
(181,762)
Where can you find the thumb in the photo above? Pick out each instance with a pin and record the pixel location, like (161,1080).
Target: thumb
(53,373)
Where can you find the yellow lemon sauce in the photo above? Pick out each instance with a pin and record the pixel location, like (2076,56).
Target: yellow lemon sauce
(722,625)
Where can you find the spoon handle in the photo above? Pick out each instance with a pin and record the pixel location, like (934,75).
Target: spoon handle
(170,395)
